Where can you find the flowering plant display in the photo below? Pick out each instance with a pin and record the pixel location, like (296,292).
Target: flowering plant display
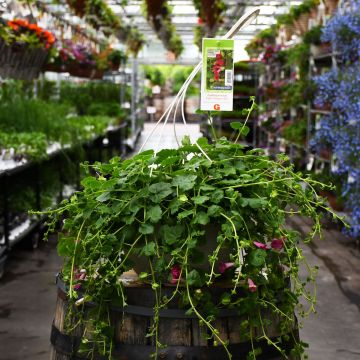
(343,31)
(340,130)
(20,32)
(188,219)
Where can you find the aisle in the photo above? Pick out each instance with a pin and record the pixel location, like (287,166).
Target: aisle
(163,136)
(28,294)
(27,302)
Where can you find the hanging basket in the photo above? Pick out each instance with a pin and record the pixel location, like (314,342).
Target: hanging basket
(21,62)
(79,6)
(303,22)
(83,71)
(289,31)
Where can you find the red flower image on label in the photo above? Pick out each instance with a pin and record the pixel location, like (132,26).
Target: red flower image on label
(219,63)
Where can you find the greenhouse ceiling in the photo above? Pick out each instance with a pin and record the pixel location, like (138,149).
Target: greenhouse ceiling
(184,16)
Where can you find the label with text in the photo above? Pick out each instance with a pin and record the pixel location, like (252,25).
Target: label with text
(217,77)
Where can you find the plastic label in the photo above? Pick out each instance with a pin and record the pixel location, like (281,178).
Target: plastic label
(217,80)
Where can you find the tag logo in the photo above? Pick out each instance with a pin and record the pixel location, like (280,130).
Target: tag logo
(217,107)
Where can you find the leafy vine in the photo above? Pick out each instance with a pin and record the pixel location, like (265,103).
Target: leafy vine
(157,214)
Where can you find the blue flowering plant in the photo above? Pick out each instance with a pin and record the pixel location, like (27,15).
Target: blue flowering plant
(340,87)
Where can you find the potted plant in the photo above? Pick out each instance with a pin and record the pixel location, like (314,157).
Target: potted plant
(285,22)
(317,46)
(199,230)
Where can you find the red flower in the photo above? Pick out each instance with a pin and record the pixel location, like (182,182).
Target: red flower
(223,266)
(219,63)
(175,274)
(252,285)
(277,244)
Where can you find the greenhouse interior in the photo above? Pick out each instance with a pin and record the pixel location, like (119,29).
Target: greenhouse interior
(180,179)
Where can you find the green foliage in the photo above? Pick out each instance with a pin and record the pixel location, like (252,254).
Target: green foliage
(159,209)
(82,96)
(299,55)
(296,132)
(285,19)
(313,36)
(31,145)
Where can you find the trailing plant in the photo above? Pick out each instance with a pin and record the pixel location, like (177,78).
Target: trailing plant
(158,13)
(340,131)
(296,132)
(135,41)
(343,31)
(313,36)
(154,213)
(210,14)
(299,55)
(21,33)
(263,39)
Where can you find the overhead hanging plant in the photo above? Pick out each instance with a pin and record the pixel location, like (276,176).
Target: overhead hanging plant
(24,48)
(189,219)
(210,13)
(135,41)
(159,13)
(261,41)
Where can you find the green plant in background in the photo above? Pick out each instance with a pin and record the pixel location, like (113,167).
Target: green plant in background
(155,74)
(313,36)
(30,145)
(299,55)
(34,115)
(296,93)
(177,74)
(159,16)
(284,19)
(152,213)
(296,132)
(83,96)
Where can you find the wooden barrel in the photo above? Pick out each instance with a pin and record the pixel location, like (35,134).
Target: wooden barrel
(182,333)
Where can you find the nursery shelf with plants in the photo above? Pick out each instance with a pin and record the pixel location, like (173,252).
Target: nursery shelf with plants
(308,91)
(39,163)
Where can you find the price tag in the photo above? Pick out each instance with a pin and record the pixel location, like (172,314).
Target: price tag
(217,80)
(310,163)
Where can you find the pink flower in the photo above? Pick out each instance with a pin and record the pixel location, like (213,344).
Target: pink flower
(223,266)
(277,244)
(260,245)
(252,286)
(175,274)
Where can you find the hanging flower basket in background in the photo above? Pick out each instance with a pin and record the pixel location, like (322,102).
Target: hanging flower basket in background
(24,48)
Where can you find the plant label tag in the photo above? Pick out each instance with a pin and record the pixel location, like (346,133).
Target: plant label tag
(217,78)
(310,163)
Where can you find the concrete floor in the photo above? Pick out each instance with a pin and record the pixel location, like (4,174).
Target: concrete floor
(28,293)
